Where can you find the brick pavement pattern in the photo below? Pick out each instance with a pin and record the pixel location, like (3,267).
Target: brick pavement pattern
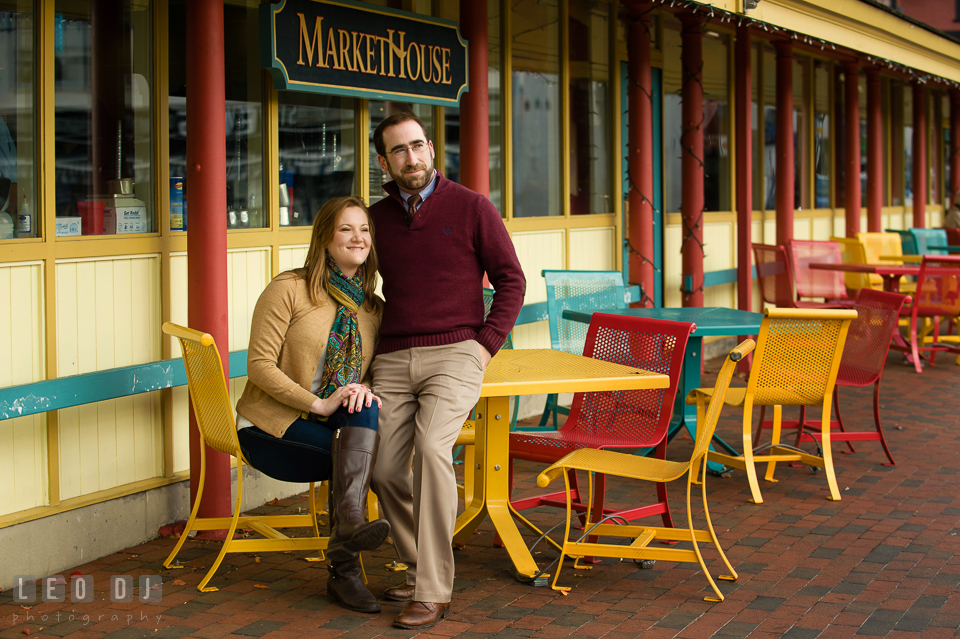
(880,563)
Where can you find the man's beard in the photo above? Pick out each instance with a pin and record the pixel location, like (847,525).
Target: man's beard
(414,183)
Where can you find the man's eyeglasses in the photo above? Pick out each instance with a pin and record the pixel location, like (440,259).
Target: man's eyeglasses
(417,148)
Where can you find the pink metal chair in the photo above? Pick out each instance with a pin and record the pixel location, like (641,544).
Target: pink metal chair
(811,283)
(937,297)
(864,354)
(775,275)
(617,419)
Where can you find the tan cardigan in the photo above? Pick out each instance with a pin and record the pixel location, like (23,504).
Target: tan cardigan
(287,337)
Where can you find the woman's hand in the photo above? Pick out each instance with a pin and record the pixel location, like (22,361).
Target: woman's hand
(352,396)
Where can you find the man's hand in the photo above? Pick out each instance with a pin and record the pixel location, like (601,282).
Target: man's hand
(485,356)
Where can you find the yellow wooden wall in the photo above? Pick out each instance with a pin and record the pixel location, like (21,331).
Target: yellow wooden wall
(23,441)
(108,315)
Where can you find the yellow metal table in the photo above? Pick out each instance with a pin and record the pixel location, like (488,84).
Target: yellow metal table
(528,372)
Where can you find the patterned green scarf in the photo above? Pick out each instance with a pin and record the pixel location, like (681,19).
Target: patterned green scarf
(344,347)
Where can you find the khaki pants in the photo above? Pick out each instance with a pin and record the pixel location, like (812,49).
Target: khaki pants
(427,393)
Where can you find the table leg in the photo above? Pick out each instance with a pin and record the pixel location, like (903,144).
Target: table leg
(686,415)
(891,283)
(492,486)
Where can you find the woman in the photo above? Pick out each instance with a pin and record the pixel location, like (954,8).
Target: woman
(305,415)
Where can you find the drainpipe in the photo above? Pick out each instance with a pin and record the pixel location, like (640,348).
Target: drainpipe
(874,152)
(207,238)
(474,112)
(919,156)
(851,147)
(691,141)
(640,150)
(784,142)
(744,128)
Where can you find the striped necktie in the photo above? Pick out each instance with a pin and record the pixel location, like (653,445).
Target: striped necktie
(412,203)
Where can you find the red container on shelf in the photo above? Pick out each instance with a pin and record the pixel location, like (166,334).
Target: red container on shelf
(91,217)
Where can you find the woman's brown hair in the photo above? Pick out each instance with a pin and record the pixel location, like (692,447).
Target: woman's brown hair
(324,228)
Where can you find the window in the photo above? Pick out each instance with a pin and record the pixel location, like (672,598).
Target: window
(590,134)
(821,133)
(103,142)
(535,38)
(17,125)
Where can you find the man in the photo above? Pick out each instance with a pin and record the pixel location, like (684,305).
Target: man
(435,240)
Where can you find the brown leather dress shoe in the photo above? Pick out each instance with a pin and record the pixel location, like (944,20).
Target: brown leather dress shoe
(421,614)
(400,593)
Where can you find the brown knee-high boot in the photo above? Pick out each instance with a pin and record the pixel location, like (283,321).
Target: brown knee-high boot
(354,455)
(345,584)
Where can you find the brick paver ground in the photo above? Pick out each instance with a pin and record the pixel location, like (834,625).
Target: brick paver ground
(880,563)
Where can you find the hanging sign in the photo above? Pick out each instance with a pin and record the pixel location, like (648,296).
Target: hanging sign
(356,49)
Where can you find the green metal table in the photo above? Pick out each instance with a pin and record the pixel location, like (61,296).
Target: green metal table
(710,321)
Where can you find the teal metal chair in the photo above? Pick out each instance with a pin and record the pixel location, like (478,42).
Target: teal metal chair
(576,290)
(926,239)
(907,241)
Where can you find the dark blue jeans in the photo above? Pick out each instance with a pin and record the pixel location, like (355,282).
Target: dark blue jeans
(303,454)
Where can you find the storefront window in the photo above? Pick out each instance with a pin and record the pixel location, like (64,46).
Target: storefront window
(897,151)
(379,111)
(536,107)
(17,143)
(317,153)
(716,122)
(769,130)
(495,103)
(103,141)
(590,133)
(862,101)
(907,97)
(244,116)
(821,134)
(933,147)
(756,138)
(801,137)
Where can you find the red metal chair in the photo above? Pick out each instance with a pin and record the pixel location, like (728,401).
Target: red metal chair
(864,354)
(826,285)
(937,297)
(776,279)
(953,237)
(616,419)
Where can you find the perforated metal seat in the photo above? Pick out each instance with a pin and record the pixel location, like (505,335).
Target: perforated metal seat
(776,278)
(576,290)
(937,297)
(795,364)
(617,419)
(643,538)
(817,283)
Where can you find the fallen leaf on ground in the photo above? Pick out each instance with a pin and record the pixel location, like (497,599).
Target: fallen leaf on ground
(26,631)
(76,573)
(261,586)
(256,560)
(273,502)
(178,582)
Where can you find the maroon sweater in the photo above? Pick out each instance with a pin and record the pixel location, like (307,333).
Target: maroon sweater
(433,271)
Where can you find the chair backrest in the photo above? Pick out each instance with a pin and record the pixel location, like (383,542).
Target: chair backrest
(579,290)
(953,236)
(852,252)
(487,304)
(868,339)
(938,287)
(816,283)
(877,244)
(633,415)
(908,245)
(706,429)
(798,355)
(925,238)
(208,389)
(773,273)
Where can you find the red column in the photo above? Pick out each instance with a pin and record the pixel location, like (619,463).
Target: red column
(640,150)
(743,123)
(954,152)
(851,146)
(691,141)
(784,142)
(207,239)
(919,155)
(874,152)
(474,112)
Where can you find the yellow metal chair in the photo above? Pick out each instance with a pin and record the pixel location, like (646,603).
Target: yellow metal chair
(653,470)
(876,245)
(211,404)
(852,252)
(796,363)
